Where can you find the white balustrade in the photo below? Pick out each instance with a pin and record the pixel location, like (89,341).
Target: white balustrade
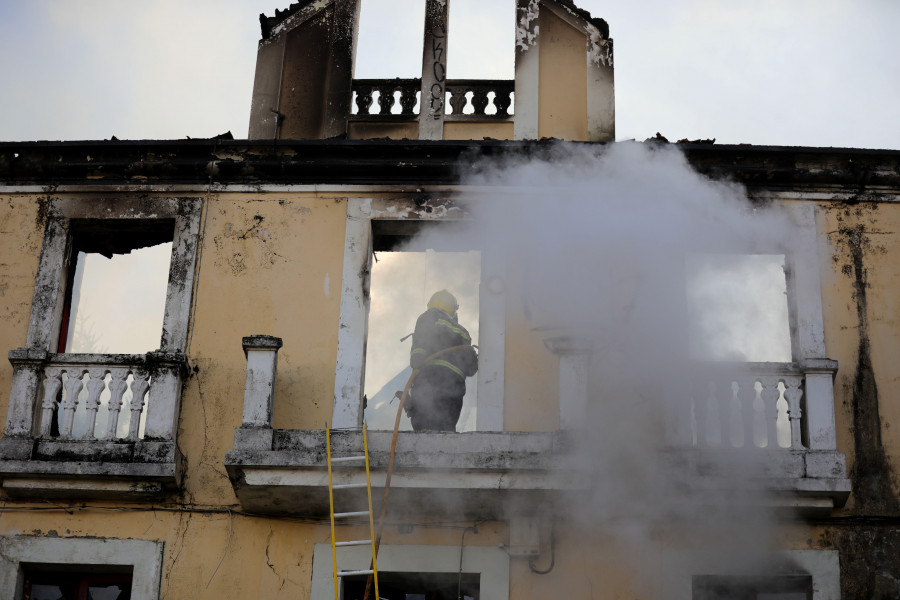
(762,406)
(76,393)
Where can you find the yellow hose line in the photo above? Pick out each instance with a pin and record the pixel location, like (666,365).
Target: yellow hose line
(390,468)
(371,519)
(331,504)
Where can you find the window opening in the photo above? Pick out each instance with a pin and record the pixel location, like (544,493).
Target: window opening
(416,586)
(116,299)
(115,304)
(738,311)
(738,308)
(390,39)
(481,42)
(401,282)
(785,587)
(80,583)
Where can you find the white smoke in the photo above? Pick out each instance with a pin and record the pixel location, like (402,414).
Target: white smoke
(606,237)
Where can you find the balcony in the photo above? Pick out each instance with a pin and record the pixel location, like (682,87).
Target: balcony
(773,421)
(92,425)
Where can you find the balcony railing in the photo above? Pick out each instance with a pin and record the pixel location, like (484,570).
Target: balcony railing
(466,99)
(782,412)
(763,405)
(78,387)
(114,414)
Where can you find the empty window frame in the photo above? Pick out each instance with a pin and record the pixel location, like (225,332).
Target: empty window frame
(372,228)
(732,289)
(755,320)
(116,288)
(782,575)
(738,307)
(409,569)
(115,303)
(481,40)
(390,39)
(73,225)
(133,566)
(109,225)
(415,586)
(785,587)
(77,582)
(403,277)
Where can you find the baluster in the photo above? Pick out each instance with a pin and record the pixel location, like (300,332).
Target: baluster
(139,387)
(679,414)
(479,100)
(769,396)
(700,397)
(363,100)
(407,100)
(95,386)
(793,394)
(73,387)
(117,388)
(502,100)
(52,386)
(386,100)
(719,411)
(458,100)
(746,396)
(724,403)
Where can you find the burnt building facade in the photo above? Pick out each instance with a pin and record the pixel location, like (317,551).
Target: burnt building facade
(601,458)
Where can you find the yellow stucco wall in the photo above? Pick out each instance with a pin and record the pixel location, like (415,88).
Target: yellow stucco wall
(531,387)
(272,263)
(478,131)
(562,95)
(862,274)
(452,130)
(21,234)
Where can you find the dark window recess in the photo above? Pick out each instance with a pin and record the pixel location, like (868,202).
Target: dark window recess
(783,587)
(77,585)
(416,235)
(416,586)
(119,236)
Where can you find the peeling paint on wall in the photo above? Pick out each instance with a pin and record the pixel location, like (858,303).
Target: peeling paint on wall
(599,48)
(527,29)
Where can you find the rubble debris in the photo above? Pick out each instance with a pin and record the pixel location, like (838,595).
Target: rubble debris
(698,141)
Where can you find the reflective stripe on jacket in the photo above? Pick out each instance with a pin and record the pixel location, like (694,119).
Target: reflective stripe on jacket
(436,331)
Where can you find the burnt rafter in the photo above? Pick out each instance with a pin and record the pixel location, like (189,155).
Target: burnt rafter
(266,24)
(398,161)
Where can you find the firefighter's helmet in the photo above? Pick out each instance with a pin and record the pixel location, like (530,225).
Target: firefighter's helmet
(444,301)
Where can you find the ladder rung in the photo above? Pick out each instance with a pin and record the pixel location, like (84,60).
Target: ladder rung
(354,543)
(344,486)
(363,572)
(343,459)
(356,513)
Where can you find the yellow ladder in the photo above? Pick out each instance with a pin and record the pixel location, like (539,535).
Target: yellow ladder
(351,514)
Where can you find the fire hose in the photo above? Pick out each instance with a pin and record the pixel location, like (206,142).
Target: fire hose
(390,467)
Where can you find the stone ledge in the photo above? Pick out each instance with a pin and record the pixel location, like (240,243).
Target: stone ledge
(81,469)
(488,475)
(88,489)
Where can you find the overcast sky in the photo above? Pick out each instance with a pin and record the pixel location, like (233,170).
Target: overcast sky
(783,72)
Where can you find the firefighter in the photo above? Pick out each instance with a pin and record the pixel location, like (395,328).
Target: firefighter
(436,396)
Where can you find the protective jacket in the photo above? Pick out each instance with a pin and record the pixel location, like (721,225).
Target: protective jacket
(436,397)
(435,331)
